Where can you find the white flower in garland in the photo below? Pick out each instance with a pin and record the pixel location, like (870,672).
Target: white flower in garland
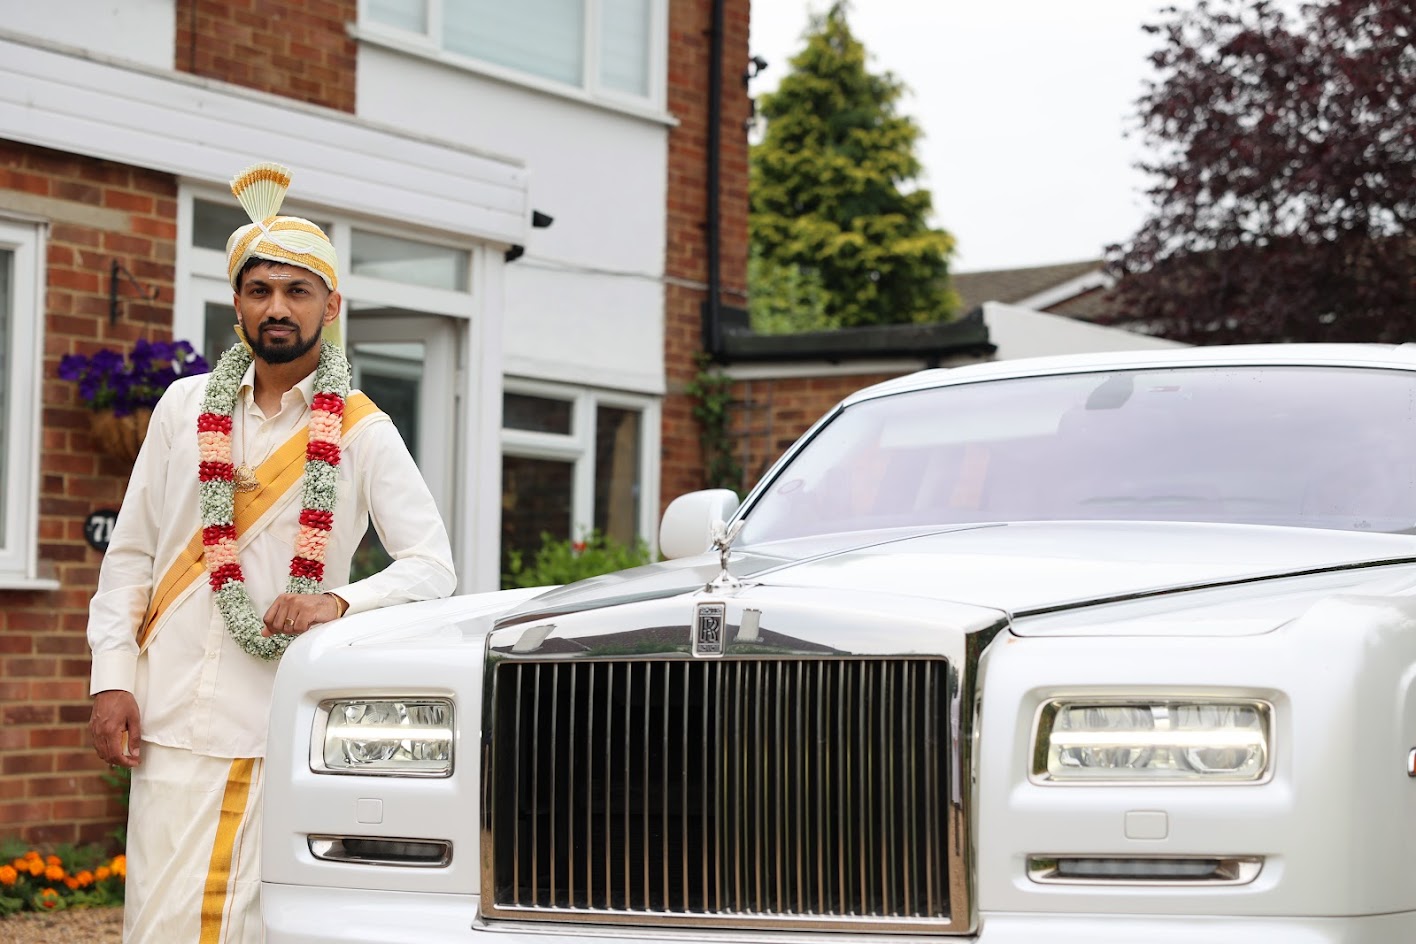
(217,492)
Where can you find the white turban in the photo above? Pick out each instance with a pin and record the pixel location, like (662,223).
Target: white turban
(289,239)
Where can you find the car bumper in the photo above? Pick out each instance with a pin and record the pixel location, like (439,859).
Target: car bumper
(308,915)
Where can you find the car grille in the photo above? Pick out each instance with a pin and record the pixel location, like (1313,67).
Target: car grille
(763,792)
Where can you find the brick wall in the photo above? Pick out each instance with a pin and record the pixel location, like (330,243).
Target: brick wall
(51,786)
(686,262)
(773,413)
(268,46)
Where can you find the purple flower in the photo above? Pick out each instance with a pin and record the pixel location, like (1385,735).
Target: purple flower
(106,361)
(108,379)
(72,366)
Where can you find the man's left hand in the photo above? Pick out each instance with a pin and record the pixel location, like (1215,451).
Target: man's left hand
(293,613)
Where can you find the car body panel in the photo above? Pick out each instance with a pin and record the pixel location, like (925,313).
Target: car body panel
(1317,625)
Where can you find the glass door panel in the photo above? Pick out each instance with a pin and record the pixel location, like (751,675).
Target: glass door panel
(405,365)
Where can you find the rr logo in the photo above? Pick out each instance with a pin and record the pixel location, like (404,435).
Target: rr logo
(708,626)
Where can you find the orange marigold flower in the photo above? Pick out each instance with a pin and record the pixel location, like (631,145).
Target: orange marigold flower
(54,873)
(84,878)
(21,864)
(102,873)
(119,865)
(53,860)
(35,867)
(72,883)
(8,875)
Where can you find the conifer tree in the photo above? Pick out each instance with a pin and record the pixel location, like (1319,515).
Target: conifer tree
(839,231)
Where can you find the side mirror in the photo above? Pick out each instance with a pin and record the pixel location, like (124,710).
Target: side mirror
(687,527)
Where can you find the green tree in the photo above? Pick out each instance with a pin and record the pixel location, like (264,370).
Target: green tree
(834,206)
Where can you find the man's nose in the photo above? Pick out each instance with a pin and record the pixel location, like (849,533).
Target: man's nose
(279,304)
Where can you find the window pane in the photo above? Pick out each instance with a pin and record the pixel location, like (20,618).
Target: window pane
(542,37)
(7,318)
(407,261)
(617,473)
(624,46)
(411,15)
(219,331)
(213,224)
(536,496)
(536,414)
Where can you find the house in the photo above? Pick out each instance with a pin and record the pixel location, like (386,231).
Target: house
(522,211)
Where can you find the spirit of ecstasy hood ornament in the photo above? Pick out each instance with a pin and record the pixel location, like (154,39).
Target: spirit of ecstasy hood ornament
(723,536)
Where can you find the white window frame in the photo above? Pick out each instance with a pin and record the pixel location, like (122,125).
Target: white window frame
(19,477)
(429,45)
(578,448)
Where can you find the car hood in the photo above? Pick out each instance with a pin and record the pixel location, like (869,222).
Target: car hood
(1022,569)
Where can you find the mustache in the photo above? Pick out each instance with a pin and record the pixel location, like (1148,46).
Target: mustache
(279,323)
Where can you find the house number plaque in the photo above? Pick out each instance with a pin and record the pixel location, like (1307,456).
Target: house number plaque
(98,528)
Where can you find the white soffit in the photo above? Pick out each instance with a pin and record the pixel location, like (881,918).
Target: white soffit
(1080,285)
(208,131)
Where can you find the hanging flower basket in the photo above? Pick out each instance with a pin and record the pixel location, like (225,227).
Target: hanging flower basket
(122,390)
(120,436)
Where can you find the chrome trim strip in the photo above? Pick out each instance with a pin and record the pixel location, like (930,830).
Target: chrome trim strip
(360,850)
(1225,870)
(516,827)
(570,807)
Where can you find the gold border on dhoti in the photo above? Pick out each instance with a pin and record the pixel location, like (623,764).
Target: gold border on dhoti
(222,868)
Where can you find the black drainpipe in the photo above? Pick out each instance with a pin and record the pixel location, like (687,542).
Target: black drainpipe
(713,314)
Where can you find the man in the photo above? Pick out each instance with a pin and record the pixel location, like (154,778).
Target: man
(253,488)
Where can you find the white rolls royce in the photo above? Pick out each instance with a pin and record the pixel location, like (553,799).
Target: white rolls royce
(1114,649)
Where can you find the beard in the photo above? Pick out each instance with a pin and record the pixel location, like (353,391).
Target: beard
(286,351)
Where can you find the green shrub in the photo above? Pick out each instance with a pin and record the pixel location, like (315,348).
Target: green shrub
(561,561)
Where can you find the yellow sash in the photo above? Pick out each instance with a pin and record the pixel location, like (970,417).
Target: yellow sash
(283,469)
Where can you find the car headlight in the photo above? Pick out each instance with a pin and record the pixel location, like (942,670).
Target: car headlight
(388,736)
(1179,740)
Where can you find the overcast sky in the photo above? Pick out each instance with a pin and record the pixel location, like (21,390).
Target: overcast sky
(1023,104)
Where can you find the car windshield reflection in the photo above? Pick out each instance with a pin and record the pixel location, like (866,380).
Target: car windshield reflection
(1292,446)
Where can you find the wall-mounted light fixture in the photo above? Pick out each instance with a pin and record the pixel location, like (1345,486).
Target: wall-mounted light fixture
(115,270)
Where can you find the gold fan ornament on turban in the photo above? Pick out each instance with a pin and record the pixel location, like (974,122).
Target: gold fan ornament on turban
(261,189)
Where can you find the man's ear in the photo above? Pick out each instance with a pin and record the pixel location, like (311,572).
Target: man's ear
(331,311)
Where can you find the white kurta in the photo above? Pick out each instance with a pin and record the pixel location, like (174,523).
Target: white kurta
(203,701)
(196,688)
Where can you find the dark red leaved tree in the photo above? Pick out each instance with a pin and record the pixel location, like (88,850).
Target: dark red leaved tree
(1284,176)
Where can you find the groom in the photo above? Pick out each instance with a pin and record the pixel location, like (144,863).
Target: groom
(252,491)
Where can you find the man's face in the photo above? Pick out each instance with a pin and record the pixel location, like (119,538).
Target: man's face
(283,309)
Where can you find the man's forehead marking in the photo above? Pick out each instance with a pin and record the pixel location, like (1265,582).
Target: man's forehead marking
(271,274)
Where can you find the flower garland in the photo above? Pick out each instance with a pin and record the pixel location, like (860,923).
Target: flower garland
(217,492)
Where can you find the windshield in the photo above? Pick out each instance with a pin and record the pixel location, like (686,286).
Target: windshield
(1299,446)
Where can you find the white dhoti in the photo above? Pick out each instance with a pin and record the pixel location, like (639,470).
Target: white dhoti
(194,849)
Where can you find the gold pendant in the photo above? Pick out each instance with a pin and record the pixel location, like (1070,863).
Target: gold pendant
(245,478)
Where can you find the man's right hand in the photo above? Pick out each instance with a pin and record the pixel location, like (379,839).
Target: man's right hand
(115,728)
